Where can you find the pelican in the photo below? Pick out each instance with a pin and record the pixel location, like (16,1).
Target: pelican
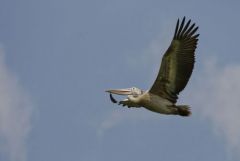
(175,71)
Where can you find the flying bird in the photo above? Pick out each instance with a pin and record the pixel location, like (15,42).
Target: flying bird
(175,70)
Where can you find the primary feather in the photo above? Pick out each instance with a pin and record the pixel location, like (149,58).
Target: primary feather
(177,62)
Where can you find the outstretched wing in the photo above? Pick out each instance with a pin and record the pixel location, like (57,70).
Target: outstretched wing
(177,62)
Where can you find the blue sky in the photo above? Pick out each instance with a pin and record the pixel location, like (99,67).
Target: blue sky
(58,57)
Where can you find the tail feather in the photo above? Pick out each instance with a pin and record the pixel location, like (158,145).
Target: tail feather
(184,110)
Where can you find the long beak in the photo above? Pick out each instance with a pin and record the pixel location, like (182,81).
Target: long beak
(126,91)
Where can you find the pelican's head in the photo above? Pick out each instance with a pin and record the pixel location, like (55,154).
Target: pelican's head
(126,91)
(132,99)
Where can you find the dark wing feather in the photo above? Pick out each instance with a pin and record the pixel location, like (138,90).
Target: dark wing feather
(177,62)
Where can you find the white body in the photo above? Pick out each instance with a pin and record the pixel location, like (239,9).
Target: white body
(155,103)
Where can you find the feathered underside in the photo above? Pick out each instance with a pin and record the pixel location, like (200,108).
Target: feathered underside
(177,62)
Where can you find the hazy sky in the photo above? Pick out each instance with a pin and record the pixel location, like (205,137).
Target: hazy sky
(57,57)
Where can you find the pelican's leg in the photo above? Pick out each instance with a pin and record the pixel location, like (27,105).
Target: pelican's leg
(125,102)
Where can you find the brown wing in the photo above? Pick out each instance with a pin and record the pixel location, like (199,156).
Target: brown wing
(177,62)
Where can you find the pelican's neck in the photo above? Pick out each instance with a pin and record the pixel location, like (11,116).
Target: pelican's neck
(134,99)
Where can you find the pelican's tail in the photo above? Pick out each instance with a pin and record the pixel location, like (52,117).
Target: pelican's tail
(184,110)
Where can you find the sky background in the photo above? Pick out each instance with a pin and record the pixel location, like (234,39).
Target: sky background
(57,57)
